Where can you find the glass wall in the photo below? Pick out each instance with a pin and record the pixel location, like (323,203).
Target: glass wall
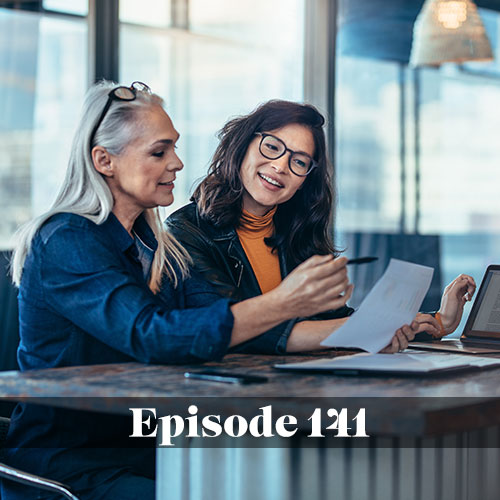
(417,149)
(226,59)
(234,56)
(43,68)
(77,7)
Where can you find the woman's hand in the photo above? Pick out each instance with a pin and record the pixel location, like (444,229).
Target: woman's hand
(456,294)
(401,338)
(318,284)
(429,324)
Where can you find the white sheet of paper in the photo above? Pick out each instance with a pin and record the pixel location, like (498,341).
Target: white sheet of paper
(400,362)
(391,303)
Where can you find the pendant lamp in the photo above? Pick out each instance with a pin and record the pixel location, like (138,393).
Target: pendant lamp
(449,31)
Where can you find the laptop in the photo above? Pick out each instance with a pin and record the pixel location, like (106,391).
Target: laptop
(481,334)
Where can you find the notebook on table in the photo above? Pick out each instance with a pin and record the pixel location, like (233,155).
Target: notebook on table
(481,334)
(406,363)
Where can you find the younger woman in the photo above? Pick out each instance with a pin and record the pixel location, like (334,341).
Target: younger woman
(264,208)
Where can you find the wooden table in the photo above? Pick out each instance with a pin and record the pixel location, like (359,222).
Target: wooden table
(426,433)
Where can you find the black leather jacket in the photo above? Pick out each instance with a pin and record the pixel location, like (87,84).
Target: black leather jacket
(218,255)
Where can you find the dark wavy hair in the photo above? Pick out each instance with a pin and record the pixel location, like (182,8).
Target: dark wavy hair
(301,223)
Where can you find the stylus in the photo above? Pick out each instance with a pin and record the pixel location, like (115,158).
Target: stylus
(361,260)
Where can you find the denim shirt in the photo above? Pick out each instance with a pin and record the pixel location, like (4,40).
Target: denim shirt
(84,299)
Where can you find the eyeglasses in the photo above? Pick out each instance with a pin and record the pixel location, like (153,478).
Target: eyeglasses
(119,94)
(272,148)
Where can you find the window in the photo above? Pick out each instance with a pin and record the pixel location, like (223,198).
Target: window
(77,7)
(146,12)
(224,61)
(233,57)
(417,150)
(44,76)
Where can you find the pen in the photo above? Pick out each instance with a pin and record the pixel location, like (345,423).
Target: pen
(361,260)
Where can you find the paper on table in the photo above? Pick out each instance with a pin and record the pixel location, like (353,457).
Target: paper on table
(400,362)
(391,303)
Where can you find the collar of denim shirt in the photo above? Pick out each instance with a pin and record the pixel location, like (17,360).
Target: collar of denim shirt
(123,239)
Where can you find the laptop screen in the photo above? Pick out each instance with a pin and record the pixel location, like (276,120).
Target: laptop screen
(484,319)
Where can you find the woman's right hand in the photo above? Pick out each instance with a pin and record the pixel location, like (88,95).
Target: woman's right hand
(455,295)
(317,285)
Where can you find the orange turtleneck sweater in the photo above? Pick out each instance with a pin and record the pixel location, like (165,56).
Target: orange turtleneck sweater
(265,264)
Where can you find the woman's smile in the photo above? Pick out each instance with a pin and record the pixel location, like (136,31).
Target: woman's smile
(167,184)
(270,182)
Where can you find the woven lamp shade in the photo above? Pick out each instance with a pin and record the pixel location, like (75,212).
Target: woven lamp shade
(449,31)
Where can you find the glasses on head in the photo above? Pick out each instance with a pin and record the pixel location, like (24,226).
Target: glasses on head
(272,148)
(119,94)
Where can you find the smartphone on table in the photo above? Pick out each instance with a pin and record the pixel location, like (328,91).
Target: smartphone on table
(225,377)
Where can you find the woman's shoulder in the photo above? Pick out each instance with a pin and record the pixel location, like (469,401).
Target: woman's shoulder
(186,214)
(75,242)
(64,222)
(66,240)
(67,219)
(69,232)
(187,223)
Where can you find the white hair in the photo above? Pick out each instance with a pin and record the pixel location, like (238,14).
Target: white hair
(85,192)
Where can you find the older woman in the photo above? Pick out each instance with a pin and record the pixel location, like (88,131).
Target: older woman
(264,208)
(101,281)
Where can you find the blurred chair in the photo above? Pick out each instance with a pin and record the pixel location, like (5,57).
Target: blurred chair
(9,325)
(9,322)
(8,473)
(417,248)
